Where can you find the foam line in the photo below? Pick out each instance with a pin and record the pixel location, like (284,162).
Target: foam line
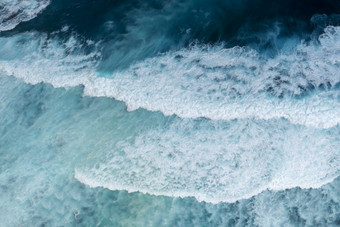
(213,82)
(216,161)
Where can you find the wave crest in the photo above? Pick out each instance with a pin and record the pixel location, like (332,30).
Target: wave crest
(217,83)
(13,12)
(300,84)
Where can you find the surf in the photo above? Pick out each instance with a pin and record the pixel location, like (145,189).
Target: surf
(13,12)
(210,81)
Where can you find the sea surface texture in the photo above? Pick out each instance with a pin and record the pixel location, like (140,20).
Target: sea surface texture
(169,113)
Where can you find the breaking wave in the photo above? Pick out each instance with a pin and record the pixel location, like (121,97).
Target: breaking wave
(13,12)
(233,103)
(300,84)
(216,161)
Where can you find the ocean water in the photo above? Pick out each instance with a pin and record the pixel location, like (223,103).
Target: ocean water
(169,113)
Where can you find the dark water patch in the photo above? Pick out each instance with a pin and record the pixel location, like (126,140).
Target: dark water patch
(133,30)
(208,21)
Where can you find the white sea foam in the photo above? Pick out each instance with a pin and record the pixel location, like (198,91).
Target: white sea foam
(12,12)
(35,58)
(213,160)
(220,83)
(211,82)
(218,161)
(37,182)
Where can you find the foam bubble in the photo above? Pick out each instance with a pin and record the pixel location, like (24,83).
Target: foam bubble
(217,161)
(213,82)
(13,12)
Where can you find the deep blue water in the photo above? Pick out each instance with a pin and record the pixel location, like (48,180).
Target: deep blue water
(169,113)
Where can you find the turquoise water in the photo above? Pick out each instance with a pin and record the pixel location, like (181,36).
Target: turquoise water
(37,178)
(169,113)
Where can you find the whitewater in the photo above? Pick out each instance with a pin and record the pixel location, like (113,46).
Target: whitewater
(210,82)
(218,84)
(189,133)
(14,12)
